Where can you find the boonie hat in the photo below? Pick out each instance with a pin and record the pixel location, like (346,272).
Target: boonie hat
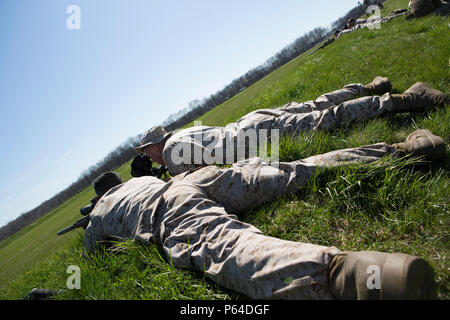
(152,136)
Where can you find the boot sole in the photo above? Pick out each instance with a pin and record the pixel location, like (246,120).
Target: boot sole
(434,148)
(408,278)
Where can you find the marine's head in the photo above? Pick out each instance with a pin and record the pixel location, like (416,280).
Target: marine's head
(152,143)
(106,181)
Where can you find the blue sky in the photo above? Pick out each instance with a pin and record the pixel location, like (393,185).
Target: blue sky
(69,97)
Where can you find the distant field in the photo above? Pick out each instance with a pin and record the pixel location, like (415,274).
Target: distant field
(390,206)
(230,110)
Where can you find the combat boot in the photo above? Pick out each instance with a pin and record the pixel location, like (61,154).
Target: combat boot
(422,143)
(371,275)
(378,86)
(419,98)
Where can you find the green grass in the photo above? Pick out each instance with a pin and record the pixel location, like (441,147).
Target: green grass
(139,272)
(391,205)
(38,241)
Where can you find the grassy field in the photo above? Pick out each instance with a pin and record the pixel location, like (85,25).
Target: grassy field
(391,205)
(38,241)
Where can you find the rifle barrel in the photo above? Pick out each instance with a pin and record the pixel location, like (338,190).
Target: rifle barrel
(80,223)
(60,232)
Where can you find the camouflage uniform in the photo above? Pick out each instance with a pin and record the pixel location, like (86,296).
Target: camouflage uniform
(328,111)
(372,23)
(194,218)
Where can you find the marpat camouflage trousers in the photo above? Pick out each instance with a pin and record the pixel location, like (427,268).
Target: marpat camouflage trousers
(194,218)
(329,111)
(191,148)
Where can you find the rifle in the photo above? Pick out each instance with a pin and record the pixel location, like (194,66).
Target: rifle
(327,42)
(80,223)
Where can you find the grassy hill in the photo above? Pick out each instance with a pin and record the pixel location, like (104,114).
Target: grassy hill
(390,206)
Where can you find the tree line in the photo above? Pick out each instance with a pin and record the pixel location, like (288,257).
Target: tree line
(196,108)
(113,160)
(125,151)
